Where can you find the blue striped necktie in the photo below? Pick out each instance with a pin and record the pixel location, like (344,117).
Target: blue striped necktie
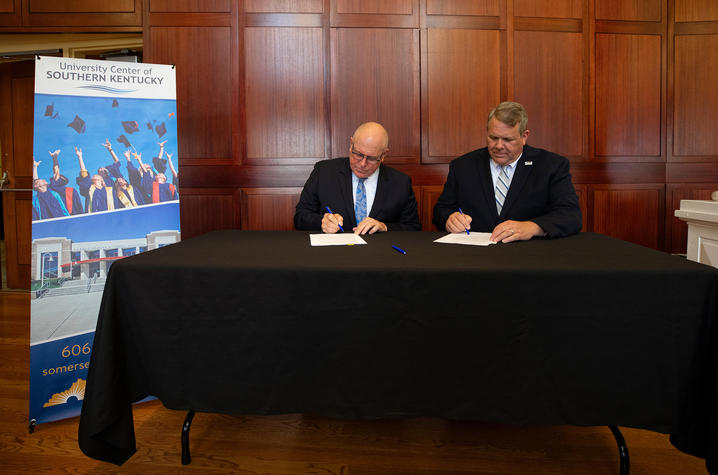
(360,201)
(502,188)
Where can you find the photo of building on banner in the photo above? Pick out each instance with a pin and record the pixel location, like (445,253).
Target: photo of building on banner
(105,186)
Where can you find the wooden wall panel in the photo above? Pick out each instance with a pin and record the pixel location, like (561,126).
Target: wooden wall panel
(463,7)
(696,98)
(374,13)
(284,93)
(429,195)
(628,112)
(80,6)
(204,87)
(7,6)
(678,229)
(382,86)
(82,13)
(696,10)
(269,208)
(376,7)
(549,8)
(10,13)
(548,78)
(208,209)
(635,10)
(461,89)
(283,6)
(157,6)
(632,212)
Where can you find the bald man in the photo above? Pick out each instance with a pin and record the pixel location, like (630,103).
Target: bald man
(364,195)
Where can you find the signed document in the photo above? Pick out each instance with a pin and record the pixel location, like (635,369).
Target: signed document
(338,239)
(472,239)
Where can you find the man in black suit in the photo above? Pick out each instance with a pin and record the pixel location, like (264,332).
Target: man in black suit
(363,194)
(512,190)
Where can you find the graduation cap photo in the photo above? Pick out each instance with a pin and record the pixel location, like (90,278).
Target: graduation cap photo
(131,126)
(115,103)
(123,140)
(48,110)
(78,124)
(161,129)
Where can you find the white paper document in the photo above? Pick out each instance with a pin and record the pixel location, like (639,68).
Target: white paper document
(472,239)
(338,239)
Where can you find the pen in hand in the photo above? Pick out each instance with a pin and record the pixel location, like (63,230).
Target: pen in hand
(467,229)
(330,212)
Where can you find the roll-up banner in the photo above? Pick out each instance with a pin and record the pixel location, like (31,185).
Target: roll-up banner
(105,186)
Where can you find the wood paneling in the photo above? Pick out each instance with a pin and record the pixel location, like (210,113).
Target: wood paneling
(208,209)
(269,208)
(193,6)
(548,78)
(284,6)
(80,6)
(376,7)
(10,13)
(628,112)
(462,87)
(285,93)
(381,86)
(632,212)
(463,7)
(204,87)
(696,99)
(696,10)
(634,10)
(16,126)
(81,13)
(549,8)
(374,13)
(429,196)
(7,6)
(678,229)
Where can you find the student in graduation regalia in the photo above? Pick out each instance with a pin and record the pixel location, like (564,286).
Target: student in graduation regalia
(58,183)
(155,184)
(126,195)
(46,203)
(98,196)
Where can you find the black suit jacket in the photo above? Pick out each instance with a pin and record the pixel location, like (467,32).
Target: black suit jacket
(541,191)
(330,184)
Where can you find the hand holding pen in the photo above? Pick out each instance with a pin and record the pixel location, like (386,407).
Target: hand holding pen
(458,222)
(331,221)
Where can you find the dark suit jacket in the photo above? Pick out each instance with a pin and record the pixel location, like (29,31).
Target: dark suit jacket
(330,184)
(541,191)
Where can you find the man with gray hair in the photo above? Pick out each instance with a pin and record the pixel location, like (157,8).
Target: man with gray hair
(510,189)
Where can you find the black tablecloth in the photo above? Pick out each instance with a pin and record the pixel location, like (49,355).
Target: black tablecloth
(586,330)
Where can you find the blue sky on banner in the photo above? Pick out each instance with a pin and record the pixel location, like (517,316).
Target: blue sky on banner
(103,119)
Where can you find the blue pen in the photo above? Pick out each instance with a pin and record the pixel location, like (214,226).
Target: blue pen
(398,249)
(467,229)
(330,212)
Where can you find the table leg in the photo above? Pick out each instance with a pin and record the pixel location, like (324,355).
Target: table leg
(186,459)
(622,450)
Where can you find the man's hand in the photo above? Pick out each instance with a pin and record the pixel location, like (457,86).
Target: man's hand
(78,152)
(55,153)
(127,154)
(331,222)
(370,225)
(458,223)
(107,144)
(516,231)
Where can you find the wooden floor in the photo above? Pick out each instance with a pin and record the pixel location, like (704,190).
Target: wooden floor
(305,444)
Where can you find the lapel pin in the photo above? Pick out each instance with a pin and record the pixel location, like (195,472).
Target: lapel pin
(528,163)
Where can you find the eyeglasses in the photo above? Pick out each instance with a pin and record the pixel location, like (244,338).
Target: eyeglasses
(369,158)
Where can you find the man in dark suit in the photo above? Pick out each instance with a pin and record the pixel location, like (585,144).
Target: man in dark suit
(363,194)
(512,190)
